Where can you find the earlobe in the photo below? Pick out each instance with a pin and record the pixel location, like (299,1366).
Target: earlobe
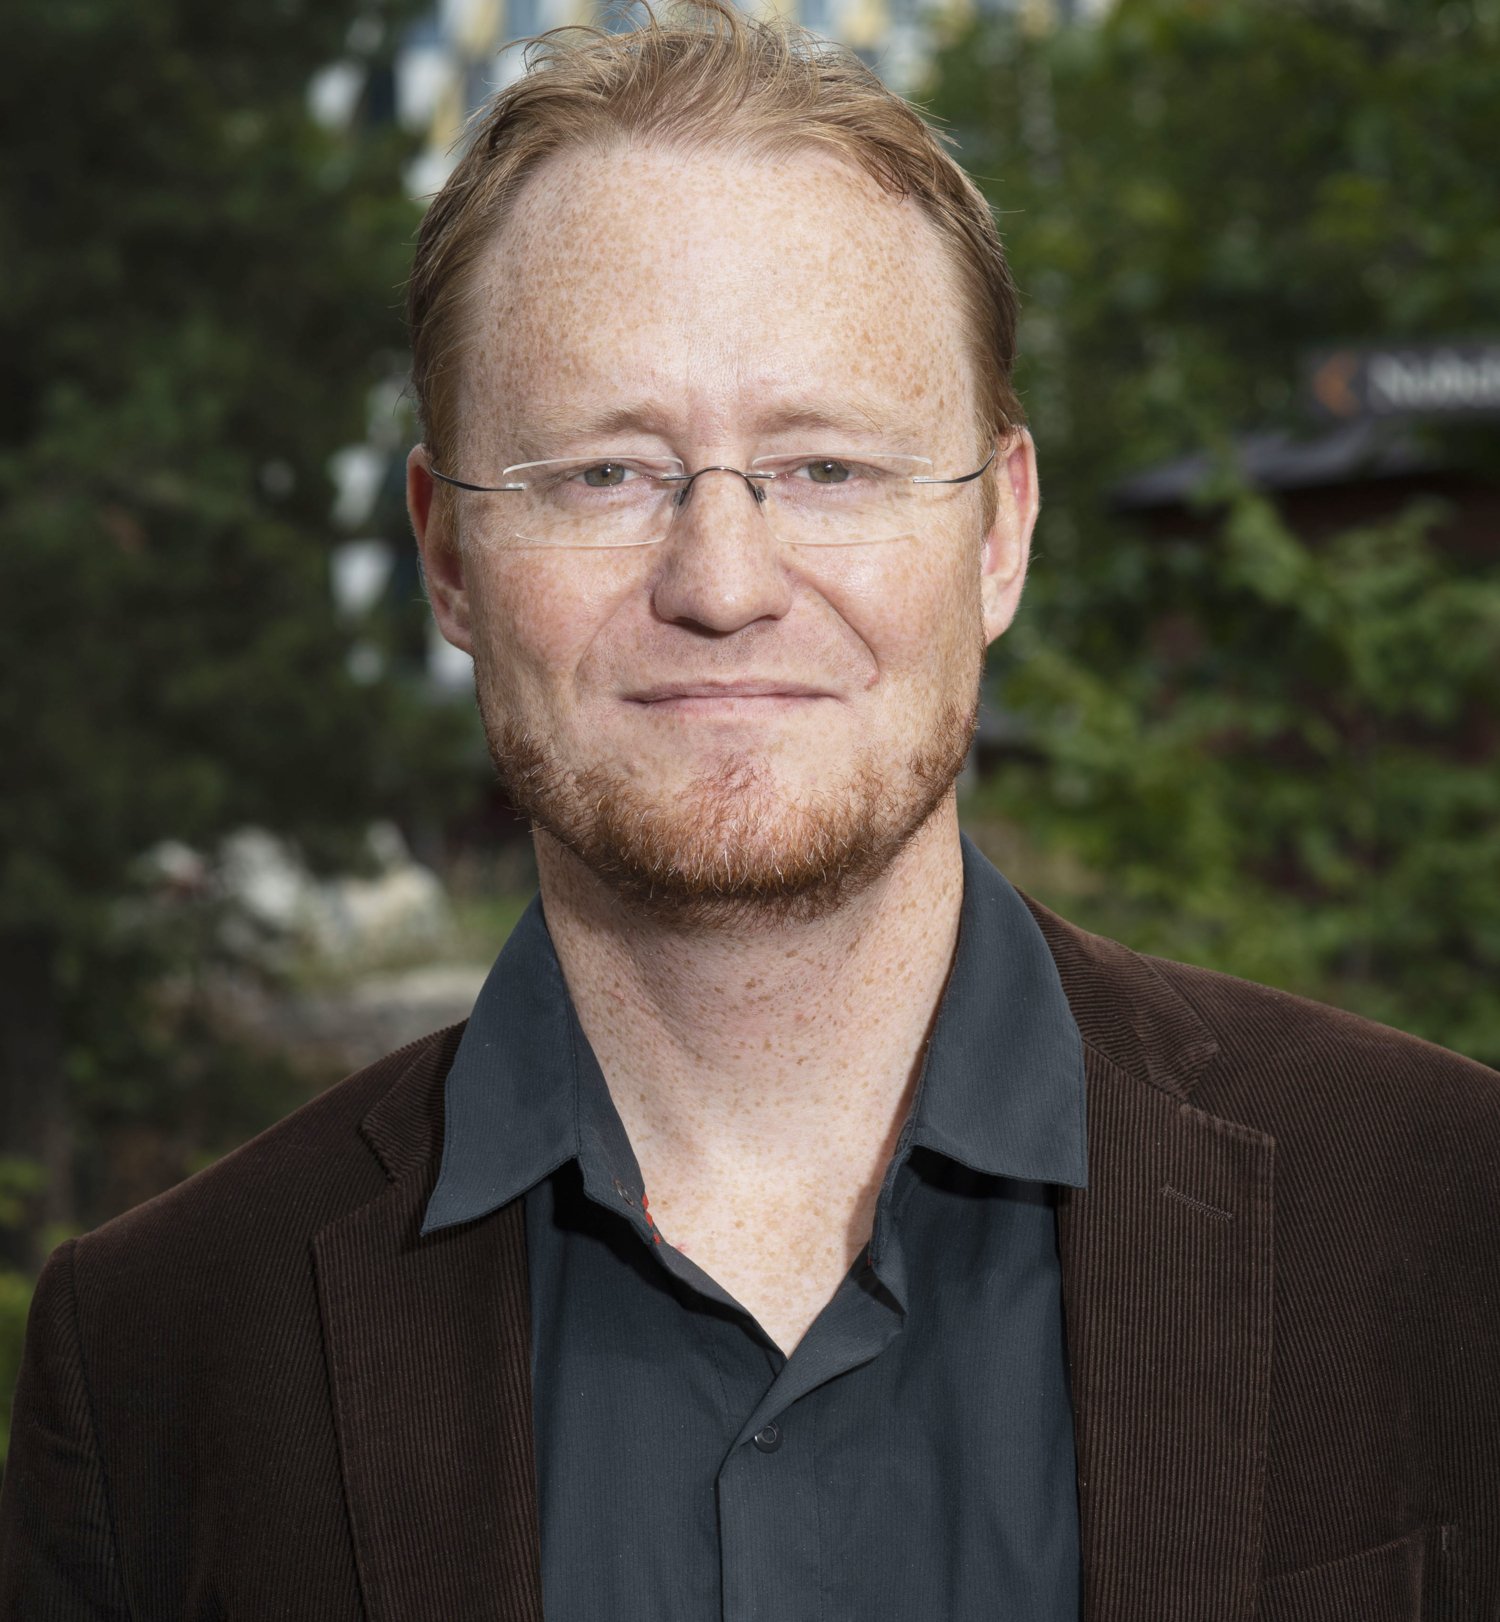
(437,542)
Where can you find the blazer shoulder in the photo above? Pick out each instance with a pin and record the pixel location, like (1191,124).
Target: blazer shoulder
(1265,1029)
(283,1185)
(1390,1120)
(1273,1060)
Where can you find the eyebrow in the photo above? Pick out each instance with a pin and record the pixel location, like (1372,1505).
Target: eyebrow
(854,413)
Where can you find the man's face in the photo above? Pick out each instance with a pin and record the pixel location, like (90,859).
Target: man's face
(719,718)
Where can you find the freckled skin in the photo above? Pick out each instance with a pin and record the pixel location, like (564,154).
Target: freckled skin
(762,1062)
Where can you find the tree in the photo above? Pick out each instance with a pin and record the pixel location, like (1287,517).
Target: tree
(202,285)
(1272,753)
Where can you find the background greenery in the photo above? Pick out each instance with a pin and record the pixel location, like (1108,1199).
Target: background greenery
(1269,752)
(1263,750)
(200,287)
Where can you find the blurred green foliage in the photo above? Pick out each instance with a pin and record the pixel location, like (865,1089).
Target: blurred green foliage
(15,1303)
(19,1182)
(1271,753)
(201,287)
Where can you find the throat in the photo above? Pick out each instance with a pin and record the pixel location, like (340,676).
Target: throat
(782,1264)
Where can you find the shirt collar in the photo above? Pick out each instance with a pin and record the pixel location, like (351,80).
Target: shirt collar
(1002,1089)
(510,1101)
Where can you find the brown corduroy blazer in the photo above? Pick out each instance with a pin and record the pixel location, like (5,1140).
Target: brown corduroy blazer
(263,1395)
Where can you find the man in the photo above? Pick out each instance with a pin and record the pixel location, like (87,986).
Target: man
(742,1257)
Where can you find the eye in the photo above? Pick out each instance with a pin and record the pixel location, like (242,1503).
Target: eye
(605,475)
(827,471)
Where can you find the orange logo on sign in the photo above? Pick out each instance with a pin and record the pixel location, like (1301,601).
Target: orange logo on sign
(1330,383)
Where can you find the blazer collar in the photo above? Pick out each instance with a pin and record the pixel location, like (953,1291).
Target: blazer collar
(1126,1010)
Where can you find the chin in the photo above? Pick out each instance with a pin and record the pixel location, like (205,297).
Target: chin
(734,843)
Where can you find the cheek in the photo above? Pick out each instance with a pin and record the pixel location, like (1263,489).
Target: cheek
(541,611)
(915,606)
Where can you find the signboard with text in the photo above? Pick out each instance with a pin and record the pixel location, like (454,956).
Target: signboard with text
(1407,380)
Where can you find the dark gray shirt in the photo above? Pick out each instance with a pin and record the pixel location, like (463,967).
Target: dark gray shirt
(913,1458)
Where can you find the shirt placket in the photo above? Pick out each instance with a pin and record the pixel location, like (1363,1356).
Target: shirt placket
(771,1560)
(769,1500)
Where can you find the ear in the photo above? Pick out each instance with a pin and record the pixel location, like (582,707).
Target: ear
(437,541)
(1007,542)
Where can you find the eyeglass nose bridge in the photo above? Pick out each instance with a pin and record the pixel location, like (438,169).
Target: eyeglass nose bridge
(686,481)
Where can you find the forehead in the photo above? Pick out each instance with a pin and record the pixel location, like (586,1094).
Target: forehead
(722,287)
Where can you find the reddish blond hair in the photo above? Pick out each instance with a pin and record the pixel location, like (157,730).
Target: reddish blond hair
(707,75)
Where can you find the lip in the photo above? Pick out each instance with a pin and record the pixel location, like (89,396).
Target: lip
(754,688)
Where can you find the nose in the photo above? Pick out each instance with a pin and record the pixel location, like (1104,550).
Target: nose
(720,569)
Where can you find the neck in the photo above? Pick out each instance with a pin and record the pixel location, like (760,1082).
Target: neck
(789,1040)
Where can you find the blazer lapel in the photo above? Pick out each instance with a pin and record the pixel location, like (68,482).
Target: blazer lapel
(429,1356)
(1167,1288)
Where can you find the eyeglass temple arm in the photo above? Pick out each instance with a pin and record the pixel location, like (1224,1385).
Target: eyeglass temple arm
(462,484)
(963,478)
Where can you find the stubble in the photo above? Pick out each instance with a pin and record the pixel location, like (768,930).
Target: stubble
(732,847)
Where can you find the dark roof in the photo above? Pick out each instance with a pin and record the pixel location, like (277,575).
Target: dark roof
(1278,460)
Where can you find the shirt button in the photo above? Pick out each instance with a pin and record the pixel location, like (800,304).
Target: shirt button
(768,1438)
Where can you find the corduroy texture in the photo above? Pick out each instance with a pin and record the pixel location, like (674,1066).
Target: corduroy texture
(263,1395)
(1284,1306)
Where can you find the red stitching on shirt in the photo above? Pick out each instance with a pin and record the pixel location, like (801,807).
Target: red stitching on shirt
(650,1220)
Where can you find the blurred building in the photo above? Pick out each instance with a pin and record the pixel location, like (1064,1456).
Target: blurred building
(1363,472)
(456,57)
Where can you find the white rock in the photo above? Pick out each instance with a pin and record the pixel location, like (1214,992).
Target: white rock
(258,873)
